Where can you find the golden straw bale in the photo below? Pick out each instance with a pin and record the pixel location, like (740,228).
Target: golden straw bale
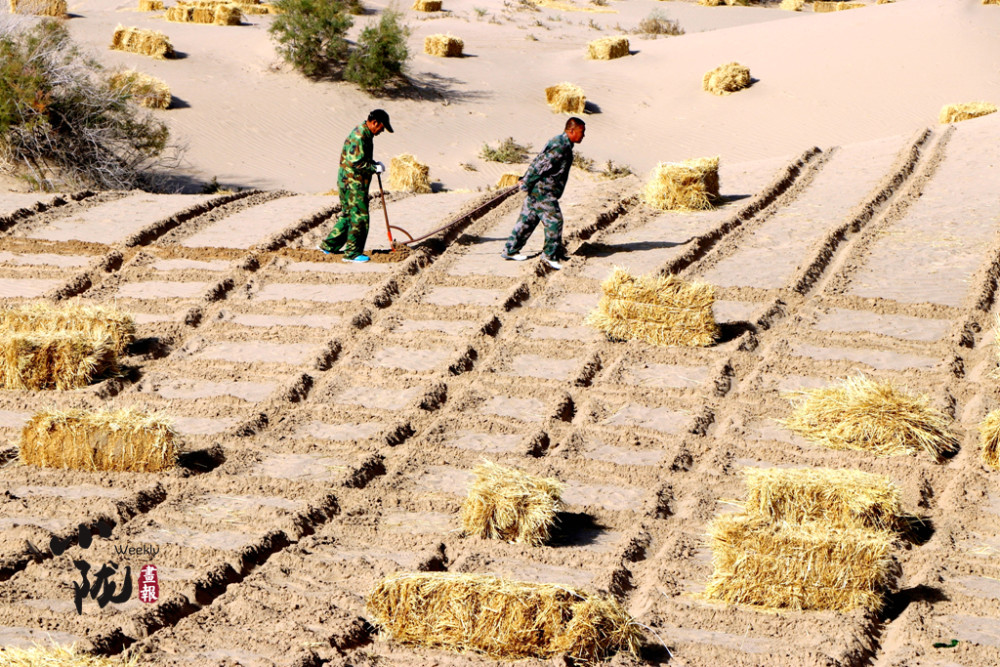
(150,5)
(660,310)
(840,498)
(798,566)
(792,5)
(566,98)
(256,9)
(443,46)
(408,175)
(53,359)
(866,415)
(228,14)
(53,8)
(991,2)
(42,317)
(60,656)
(683,186)
(989,439)
(953,113)
(823,6)
(726,79)
(507,504)
(147,90)
(506,620)
(608,48)
(508,178)
(180,13)
(202,14)
(427,5)
(124,440)
(145,42)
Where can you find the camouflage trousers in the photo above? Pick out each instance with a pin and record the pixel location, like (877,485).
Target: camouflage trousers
(351,229)
(544,207)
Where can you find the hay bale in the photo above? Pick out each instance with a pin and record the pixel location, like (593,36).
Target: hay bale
(608,48)
(726,79)
(507,504)
(53,8)
(866,415)
(683,186)
(228,14)
(953,113)
(798,566)
(508,178)
(848,499)
(202,14)
(41,317)
(144,42)
(823,6)
(566,98)
(180,13)
(58,656)
(427,5)
(661,310)
(146,90)
(53,359)
(989,439)
(122,440)
(506,620)
(991,2)
(150,5)
(408,175)
(792,5)
(443,46)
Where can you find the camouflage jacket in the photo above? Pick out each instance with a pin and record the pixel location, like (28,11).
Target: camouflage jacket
(356,164)
(549,171)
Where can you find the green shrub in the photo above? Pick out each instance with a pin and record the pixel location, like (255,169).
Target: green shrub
(508,152)
(310,34)
(380,54)
(61,123)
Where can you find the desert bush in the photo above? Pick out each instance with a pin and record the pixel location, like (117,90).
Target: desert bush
(612,171)
(581,161)
(508,152)
(310,34)
(380,54)
(658,24)
(61,123)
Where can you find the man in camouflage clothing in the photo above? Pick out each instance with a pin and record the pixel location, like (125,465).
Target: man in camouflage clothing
(544,182)
(353,179)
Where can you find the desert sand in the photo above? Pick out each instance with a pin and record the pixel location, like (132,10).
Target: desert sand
(331,414)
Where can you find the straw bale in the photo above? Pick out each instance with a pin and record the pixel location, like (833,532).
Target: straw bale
(798,566)
(991,2)
(146,90)
(508,178)
(726,79)
(42,317)
(53,359)
(866,415)
(443,46)
(683,186)
(506,620)
(180,13)
(150,5)
(228,14)
(566,98)
(408,175)
(989,439)
(257,9)
(835,6)
(427,5)
(608,48)
(953,113)
(507,504)
(53,8)
(661,310)
(792,5)
(126,440)
(203,15)
(60,656)
(145,42)
(841,498)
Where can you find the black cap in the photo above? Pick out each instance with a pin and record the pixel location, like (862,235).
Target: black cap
(379,115)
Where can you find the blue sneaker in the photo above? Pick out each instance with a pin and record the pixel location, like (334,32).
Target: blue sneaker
(356,258)
(324,250)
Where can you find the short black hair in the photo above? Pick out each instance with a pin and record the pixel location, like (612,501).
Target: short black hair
(574,122)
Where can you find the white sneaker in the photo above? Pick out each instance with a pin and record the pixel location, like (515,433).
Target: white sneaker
(517,258)
(551,262)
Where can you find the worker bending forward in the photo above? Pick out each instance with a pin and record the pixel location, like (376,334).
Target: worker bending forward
(544,182)
(353,179)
